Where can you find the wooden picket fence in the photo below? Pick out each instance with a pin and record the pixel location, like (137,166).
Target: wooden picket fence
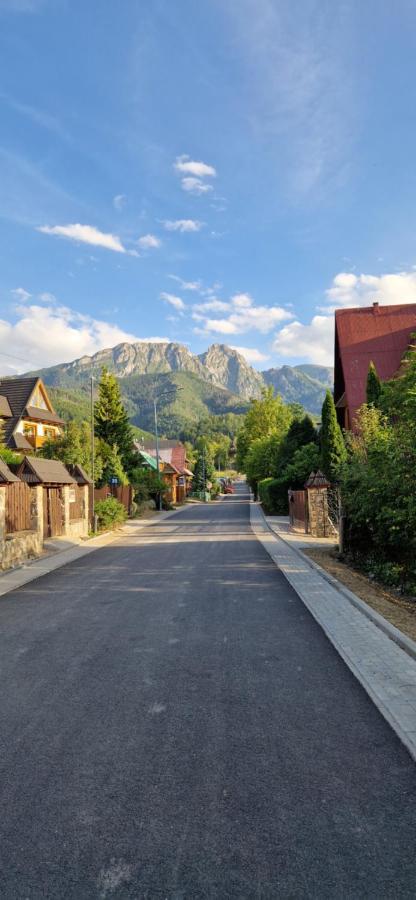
(18,502)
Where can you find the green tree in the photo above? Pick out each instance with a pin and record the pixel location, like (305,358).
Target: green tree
(266,416)
(373,388)
(7,455)
(112,465)
(333,451)
(301,432)
(148,485)
(74,446)
(112,423)
(204,471)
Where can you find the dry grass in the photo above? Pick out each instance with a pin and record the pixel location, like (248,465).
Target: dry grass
(397,610)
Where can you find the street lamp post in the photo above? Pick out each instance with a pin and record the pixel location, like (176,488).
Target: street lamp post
(155,399)
(94,524)
(155,402)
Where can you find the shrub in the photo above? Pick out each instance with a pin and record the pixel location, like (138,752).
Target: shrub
(273,496)
(110,513)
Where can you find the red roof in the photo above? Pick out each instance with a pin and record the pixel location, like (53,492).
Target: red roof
(176,456)
(378,334)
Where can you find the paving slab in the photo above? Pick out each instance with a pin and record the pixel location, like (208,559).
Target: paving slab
(385,669)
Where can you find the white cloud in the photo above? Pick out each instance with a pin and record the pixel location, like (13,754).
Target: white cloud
(182,225)
(186,285)
(195,186)
(119,201)
(21,294)
(194,175)
(189,166)
(211,306)
(348,289)
(314,342)
(47,335)
(251,354)
(173,300)
(86,234)
(48,298)
(149,241)
(242,301)
(243,316)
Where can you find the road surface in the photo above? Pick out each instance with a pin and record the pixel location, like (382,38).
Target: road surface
(174,724)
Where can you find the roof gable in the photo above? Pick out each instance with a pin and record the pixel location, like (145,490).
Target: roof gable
(378,334)
(37,470)
(19,392)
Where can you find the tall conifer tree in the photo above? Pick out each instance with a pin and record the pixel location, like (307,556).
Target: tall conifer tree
(111,420)
(373,385)
(333,451)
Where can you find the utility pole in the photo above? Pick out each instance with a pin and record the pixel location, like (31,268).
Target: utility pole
(155,399)
(92,456)
(203,471)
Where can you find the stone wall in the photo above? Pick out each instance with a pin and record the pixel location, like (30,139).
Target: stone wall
(17,547)
(75,528)
(318,512)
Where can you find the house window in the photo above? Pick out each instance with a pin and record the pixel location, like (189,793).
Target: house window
(29,432)
(49,433)
(38,399)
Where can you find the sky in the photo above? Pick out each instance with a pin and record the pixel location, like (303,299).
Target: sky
(227,171)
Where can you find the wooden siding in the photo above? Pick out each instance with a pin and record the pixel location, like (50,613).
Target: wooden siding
(53,513)
(18,501)
(76,504)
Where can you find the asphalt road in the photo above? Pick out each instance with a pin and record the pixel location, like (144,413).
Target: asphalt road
(174,724)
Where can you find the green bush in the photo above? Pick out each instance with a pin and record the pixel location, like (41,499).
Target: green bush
(110,513)
(273,496)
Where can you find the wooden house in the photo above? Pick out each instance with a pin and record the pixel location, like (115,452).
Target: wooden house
(174,466)
(27,414)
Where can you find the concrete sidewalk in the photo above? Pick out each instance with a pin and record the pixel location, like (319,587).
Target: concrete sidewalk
(384,669)
(48,562)
(281,526)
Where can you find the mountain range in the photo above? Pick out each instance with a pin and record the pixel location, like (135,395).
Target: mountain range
(220,380)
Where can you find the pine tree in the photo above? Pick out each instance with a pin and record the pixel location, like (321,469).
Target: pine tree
(111,420)
(204,471)
(112,465)
(373,385)
(301,432)
(333,451)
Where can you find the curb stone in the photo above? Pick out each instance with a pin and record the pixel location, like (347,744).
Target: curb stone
(404,642)
(370,664)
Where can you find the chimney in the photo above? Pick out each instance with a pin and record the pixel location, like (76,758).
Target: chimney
(376,305)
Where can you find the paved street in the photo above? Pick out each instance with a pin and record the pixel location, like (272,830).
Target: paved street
(174,724)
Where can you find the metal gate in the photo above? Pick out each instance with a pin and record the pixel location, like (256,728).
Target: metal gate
(53,512)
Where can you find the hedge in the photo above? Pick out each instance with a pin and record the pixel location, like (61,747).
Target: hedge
(273,496)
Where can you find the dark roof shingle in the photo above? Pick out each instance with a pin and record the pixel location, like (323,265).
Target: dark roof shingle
(44,471)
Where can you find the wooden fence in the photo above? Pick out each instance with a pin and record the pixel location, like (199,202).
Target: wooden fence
(18,501)
(298,510)
(76,503)
(123,493)
(53,512)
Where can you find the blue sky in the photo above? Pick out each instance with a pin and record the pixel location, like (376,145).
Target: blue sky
(202,172)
